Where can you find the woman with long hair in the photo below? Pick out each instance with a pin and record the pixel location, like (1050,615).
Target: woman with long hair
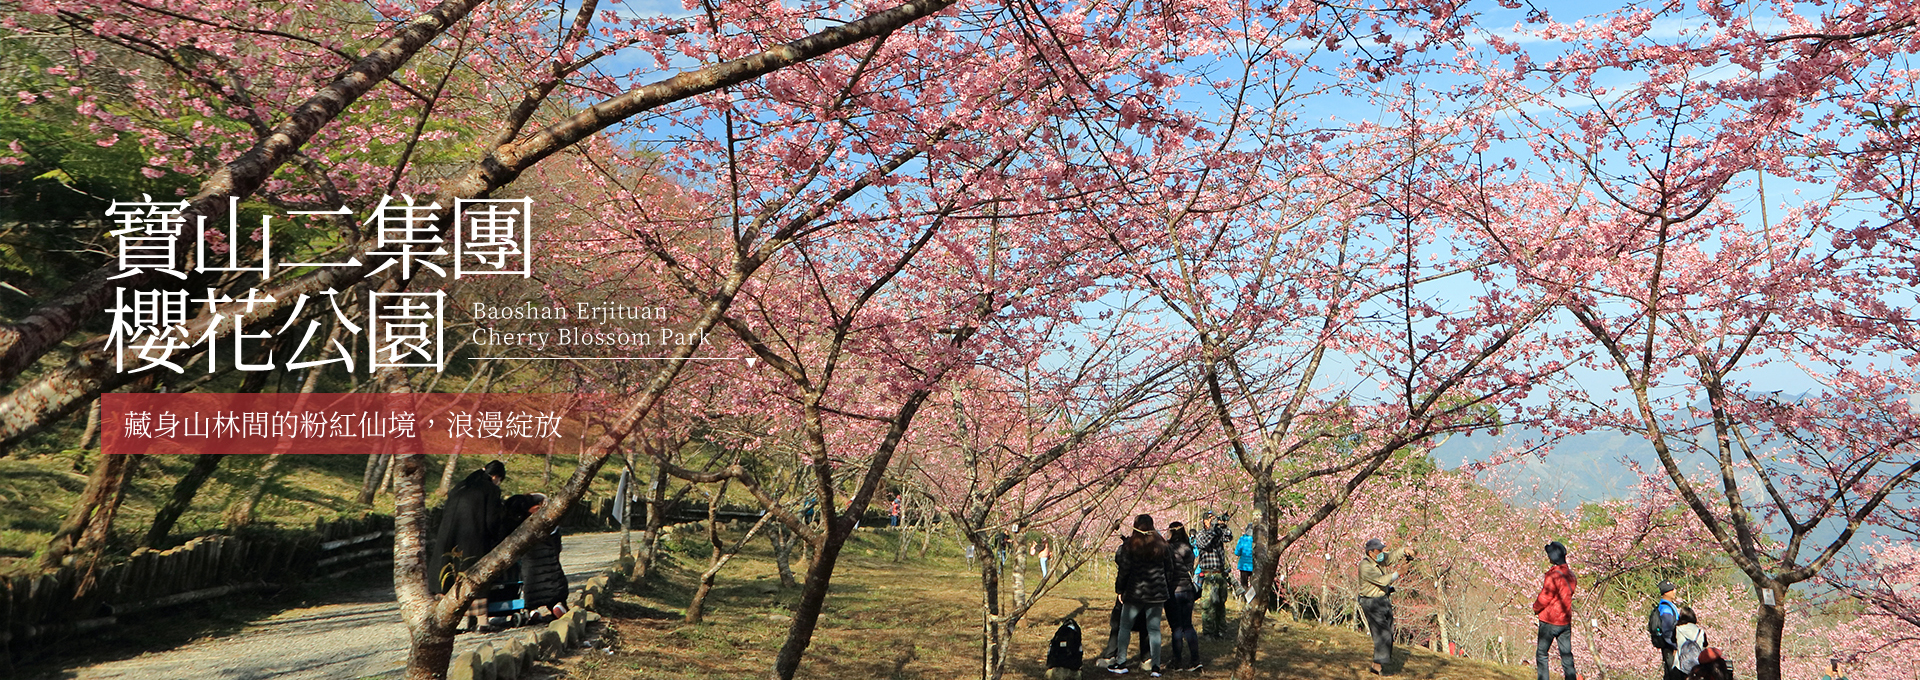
(1180,604)
(1143,582)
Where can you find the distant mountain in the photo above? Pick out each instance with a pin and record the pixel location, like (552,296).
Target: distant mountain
(1586,467)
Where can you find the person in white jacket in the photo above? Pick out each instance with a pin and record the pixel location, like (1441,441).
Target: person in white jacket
(1689,639)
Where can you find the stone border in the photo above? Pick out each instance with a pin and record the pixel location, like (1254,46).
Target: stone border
(517,655)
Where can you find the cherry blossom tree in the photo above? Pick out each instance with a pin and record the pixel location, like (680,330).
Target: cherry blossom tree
(1016,449)
(1645,214)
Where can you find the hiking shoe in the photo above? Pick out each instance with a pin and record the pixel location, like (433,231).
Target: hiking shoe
(1117,670)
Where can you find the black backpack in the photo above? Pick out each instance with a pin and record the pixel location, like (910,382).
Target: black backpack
(1657,629)
(1064,651)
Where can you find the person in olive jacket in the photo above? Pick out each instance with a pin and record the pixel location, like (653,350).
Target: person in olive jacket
(1376,598)
(1143,582)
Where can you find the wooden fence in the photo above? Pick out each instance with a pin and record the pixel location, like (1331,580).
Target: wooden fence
(68,600)
(34,607)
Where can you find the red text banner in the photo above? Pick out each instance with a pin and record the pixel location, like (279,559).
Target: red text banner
(475,424)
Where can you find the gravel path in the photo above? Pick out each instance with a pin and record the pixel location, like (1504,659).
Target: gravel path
(361,636)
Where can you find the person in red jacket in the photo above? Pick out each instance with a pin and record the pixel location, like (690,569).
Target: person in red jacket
(1554,605)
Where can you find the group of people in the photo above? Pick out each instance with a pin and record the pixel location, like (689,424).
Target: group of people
(1164,577)
(1675,630)
(473,521)
(1672,628)
(1156,576)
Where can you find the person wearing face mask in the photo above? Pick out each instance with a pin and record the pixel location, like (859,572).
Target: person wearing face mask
(1376,597)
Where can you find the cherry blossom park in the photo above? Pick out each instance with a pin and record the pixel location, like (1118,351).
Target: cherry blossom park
(853,339)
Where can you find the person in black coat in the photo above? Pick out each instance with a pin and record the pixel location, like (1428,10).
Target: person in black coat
(1143,581)
(470,525)
(543,580)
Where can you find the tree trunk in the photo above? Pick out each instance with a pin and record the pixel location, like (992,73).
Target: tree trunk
(696,610)
(813,597)
(994,636)
(101,485)
(183,493)
(453,464)
(93,427)
(926,531)
(240,513)
(1769,626)
(428,651)
(390,483)
(546,476)
(93,541)
(784,541)
(719,555)
(656,519)
(429,629)
(430,618)
(1265,564)
(376,473)
(1019,569)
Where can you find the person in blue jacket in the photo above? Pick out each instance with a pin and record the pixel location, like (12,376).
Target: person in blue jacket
(1243,557)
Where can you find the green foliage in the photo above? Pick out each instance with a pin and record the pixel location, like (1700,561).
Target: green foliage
(59,178)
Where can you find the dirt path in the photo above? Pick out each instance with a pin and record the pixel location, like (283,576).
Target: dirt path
(360,636)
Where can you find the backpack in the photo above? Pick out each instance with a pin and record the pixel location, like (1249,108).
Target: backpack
(1064,651)
(1688,656)
(1657,626)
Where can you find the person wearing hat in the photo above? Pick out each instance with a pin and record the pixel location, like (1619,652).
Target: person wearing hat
(470,524)
(1210,545)
(1376,598)
(1663,622)
(1554,606)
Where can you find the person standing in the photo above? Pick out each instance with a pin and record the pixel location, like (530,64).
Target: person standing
(1243,558)
(471,523)
(1689,641)
(1663,621)
(1143,580)
(1186,644)
(1554,606)
(1211,548)
(1376,598)
(543,580)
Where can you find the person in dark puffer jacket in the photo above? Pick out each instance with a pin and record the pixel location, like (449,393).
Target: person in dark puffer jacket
(1186,642)
(1143,582)
(544,581)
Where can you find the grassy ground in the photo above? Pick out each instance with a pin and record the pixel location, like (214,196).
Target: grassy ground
(919,619)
